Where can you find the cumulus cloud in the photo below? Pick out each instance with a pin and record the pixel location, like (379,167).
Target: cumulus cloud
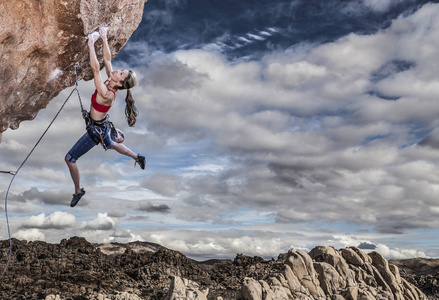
(30,235)
(57,220)
(398,253)
(102,222)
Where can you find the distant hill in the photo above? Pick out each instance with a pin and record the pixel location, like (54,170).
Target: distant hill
(422,272)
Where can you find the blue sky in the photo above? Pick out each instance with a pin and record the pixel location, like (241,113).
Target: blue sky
(266,125)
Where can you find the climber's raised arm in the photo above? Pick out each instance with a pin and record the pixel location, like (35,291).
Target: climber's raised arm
(106,50)
(94,64)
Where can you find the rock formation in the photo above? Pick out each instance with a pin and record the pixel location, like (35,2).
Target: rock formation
(77,269)
(40,42)
(326,273)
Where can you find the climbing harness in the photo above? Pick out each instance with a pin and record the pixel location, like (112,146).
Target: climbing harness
(15,173)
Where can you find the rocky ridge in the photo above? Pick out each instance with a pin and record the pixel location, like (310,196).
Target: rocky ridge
(76,269)
(41,41)
(422,272)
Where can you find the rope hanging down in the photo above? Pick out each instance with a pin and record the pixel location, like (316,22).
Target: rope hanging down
(15,173)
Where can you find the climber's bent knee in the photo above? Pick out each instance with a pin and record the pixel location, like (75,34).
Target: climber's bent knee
(69,158)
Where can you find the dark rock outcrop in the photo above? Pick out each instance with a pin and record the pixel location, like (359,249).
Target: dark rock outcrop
(76,267)
(40,42)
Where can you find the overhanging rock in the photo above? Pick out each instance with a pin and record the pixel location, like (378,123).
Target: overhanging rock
(40,42)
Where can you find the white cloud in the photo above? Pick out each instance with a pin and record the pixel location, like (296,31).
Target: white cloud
(30,235)
(297,74)
(398,253)
(57,220)
(102,222)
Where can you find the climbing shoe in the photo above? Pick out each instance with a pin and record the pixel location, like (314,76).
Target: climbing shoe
(77,197)
(141,161)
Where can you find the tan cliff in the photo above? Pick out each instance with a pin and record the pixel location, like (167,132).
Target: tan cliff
(41,41)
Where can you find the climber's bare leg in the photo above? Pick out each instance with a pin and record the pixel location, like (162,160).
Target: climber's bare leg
(74,172)
(122,149)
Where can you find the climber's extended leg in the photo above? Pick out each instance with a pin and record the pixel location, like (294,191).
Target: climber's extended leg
(79,192)
(122,149)
(82,146)
(74,173)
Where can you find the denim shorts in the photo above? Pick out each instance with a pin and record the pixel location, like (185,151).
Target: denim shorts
(93,136)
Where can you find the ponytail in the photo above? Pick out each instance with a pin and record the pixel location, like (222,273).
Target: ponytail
(131,111)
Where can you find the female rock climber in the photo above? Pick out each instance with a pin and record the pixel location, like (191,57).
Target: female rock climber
(98,125)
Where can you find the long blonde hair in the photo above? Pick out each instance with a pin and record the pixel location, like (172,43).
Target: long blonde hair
(131,111)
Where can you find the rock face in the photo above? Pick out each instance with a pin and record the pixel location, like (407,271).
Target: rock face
(77,269)
(326,273)
(40,42)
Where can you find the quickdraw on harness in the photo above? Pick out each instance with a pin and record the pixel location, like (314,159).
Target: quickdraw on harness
(99,127)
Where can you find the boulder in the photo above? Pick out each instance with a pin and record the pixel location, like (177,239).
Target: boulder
(184,289)
(330,280)
(267,293)
(335,259)
(251,289)
(383,267)
(302,266)
(352,257)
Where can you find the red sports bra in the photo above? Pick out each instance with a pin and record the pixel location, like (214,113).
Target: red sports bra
(99,107)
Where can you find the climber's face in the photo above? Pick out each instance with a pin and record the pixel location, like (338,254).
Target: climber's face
(119,75)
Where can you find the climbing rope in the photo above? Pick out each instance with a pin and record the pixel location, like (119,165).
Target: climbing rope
(15,173)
